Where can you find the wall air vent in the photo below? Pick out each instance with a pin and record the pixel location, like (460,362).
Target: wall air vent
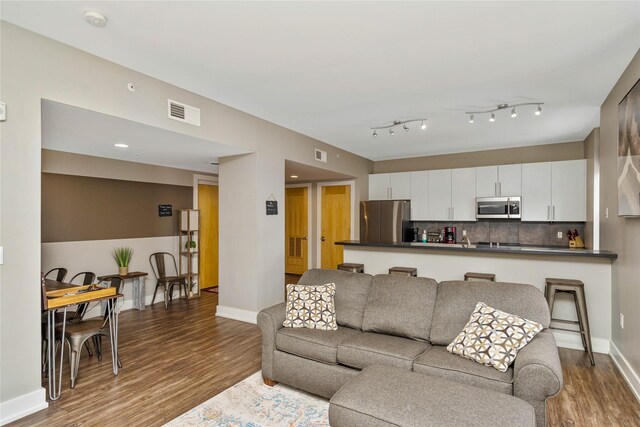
(183,112)
(321,156)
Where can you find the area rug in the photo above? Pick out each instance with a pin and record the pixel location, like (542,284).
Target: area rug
(250,403)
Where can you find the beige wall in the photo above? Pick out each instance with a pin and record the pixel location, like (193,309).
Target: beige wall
(35,68)
(591,229)
(619,234)
(505,156)
(99,167)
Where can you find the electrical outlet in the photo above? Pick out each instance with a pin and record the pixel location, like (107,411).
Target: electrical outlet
(464,233)
(621,321)
(559,234)
(606,213)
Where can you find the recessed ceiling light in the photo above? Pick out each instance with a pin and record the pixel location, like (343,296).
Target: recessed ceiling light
(120,145)
(95,19)
(294,176)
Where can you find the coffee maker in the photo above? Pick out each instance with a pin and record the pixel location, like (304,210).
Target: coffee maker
(450,235)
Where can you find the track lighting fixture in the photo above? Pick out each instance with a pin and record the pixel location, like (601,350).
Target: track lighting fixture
(514,113)
(404,124)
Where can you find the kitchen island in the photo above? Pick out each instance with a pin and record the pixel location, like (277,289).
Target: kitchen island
(523,264)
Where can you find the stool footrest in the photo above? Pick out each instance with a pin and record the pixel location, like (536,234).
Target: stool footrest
(573,322)
(568,330)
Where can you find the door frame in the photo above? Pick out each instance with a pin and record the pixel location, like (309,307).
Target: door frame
(204,180)
(352,184)
(309,220)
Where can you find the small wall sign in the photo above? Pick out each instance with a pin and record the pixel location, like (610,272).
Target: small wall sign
(272,207)
(165,210)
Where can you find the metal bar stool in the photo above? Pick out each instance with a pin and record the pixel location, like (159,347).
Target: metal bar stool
(404,271)
(576,289)
(354,268)
(479,277)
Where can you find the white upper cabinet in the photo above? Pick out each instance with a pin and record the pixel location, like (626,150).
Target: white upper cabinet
(379,186)
(420,196)
(487,181)
(510,180)
(439,208)
(390,186)
(503,180)
(554,191)
(400,186)
(463,194)
(536,192)
(569,190)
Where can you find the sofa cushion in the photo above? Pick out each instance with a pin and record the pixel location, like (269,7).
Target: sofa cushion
(400,305)
(493,337)
(311,307)
(352,291)
(315,344)
(438,362)
(456,301)
(362,350)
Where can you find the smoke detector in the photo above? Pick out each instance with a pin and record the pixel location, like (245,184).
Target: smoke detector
(95,19)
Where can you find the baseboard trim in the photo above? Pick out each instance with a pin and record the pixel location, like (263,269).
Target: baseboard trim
(22,406)
(573,341)
(628,373)
(236,314)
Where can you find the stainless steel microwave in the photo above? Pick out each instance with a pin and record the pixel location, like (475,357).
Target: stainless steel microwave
(499,207)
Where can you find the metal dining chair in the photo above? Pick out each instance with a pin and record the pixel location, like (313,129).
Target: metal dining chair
(77,333)
(84,278)
(59,272)
(161,263)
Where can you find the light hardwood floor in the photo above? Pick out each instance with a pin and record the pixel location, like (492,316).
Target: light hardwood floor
(178,358)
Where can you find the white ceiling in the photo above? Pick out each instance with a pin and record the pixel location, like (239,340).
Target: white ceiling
(76,130)
(332,70)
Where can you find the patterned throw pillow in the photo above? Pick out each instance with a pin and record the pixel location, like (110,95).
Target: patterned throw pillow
(493,337)
(311,307)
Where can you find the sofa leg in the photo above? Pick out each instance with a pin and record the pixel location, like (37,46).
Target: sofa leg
(269,381)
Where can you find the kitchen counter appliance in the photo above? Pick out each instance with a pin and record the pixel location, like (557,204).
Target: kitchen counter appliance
(385,221)
(499,207)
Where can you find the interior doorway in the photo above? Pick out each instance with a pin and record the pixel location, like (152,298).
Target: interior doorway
(296,230)
(335,212)
(208,206)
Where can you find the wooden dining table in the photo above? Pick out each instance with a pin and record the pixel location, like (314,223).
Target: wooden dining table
(60,296)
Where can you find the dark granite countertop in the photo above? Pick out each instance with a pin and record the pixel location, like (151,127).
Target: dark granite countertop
(515,250)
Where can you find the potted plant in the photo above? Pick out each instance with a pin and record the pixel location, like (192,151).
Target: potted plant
(123,256)
(190,245)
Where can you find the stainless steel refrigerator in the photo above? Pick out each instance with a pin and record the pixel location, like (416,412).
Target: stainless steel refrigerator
(386,221)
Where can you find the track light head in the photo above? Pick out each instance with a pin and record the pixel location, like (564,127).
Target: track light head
(513,112)
(492,118)
(539,110)
(406,129)
(471,118)
(391,131)
(375,133)
(423,126)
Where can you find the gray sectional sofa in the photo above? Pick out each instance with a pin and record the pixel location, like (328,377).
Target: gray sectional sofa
(407,322)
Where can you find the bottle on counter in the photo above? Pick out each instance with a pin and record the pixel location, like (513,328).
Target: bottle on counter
(424,235)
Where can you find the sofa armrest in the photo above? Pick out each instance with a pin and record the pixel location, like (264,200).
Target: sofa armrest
(537,373)
(270,321)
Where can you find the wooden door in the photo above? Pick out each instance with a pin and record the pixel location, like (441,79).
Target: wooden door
(208,252)
(296,229)
(336,223)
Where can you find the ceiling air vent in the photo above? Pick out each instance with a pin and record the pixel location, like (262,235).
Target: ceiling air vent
(183,112)
(321,156)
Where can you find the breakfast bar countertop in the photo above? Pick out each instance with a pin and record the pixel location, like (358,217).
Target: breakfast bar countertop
(515,250)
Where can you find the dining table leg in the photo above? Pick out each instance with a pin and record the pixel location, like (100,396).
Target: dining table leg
(55,383)
(138,293)
(113,333)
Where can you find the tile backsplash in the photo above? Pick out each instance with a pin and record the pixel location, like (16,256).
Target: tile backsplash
(526,233)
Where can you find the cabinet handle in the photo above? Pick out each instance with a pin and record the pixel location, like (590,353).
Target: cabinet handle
(390,192)
(451,212)
(553,212)
(499,189)
(495,188)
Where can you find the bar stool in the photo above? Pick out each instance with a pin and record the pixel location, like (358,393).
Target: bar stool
(404,271)
(479,277)
(576,289)
(352,267)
